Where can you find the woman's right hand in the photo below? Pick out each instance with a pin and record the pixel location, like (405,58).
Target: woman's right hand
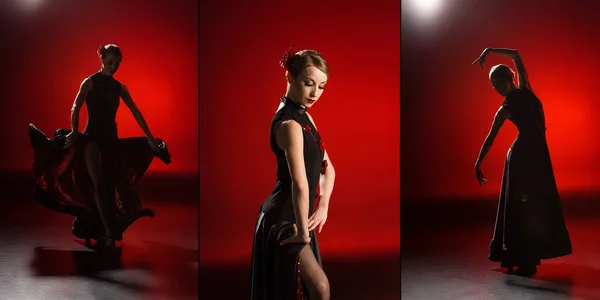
(482,57)
(479,175)
(71,138)
(296,238)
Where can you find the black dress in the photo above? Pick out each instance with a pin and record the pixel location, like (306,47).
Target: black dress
(61,176)
(275,269)
(529,223)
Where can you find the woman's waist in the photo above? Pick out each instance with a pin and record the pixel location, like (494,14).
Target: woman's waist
(281,198)
(530,141)
(284,187)
(531,136)
(101,121)
(101,126)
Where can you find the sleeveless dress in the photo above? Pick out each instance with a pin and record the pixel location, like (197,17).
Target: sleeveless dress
(62,182)
(275,269)
(529,222)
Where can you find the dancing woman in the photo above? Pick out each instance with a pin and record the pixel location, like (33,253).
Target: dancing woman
(529,222)
(91,175)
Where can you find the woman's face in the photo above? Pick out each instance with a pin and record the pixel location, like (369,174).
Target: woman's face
(309,86)
(110,63)
(501,85)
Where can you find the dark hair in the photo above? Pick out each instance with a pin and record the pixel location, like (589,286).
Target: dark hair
(105,50)
(295,63)
(502,71)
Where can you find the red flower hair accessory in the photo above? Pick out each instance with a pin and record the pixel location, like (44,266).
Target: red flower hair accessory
(100,49)
(286,58)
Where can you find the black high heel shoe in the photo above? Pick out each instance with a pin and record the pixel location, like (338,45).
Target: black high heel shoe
(525,270)
(108,246)
(109,242)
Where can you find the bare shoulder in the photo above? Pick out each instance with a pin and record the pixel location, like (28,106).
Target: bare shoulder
(503,113)
(289,126)
(287,133)
(86,84)
(124,88)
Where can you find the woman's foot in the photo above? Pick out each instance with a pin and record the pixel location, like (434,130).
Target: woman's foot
(524,270)
(109,243)
(108,246)
(527,270)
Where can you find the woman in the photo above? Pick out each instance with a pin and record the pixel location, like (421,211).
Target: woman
(286,263)
(91,175)
(529,222)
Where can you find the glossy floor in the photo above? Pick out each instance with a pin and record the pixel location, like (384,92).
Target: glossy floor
(445,248)
(40,259)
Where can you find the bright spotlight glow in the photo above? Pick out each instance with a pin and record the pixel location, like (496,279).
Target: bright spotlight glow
(427,7)
(27,5)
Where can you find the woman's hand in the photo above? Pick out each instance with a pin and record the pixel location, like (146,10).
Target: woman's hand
(318,218)
(153,144)
(70,139)
(296,238)
(479,175)
(482,57)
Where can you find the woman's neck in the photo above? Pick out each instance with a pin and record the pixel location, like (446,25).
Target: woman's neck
(105,73)
(289,95)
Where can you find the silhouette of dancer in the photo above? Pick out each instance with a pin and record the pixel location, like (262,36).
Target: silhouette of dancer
(529,222)
(91,175)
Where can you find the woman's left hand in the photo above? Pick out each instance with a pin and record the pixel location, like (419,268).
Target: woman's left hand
(482,57)
(318,218)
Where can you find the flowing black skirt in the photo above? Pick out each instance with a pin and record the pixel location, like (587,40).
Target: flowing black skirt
(275,273)
(62,182)
(529,224)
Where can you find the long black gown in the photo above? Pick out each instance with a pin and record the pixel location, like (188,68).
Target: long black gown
(61,176)
(275,269)
(529,223)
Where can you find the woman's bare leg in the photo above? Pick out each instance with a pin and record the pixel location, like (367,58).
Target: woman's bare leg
(313,276)
(92,161)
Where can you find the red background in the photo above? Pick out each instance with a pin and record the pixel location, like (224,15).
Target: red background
(448,104)
(358,116)
(52,47)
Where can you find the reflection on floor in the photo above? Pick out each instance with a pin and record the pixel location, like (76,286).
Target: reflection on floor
(445,247)
(40,259)
(351,278)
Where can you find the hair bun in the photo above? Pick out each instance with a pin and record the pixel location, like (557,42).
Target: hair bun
(287,57)
(101,49)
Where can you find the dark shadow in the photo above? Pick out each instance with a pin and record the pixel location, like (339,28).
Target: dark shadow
(557,278)
(570,275)
(539,286)
(566,274)
(359,277)
(174,265)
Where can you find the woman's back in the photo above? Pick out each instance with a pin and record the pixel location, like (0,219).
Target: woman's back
(526,112)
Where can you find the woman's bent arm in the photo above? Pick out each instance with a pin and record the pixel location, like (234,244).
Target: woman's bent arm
(290,140)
